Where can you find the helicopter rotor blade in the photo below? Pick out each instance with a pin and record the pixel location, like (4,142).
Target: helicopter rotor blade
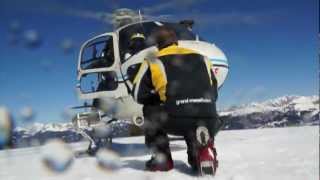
(83,106)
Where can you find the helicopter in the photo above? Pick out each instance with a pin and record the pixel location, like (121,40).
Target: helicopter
(105,72)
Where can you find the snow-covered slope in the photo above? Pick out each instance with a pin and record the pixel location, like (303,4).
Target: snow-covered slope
(264,154)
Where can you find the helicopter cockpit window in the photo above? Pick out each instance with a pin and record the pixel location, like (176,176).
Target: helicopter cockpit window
(127,46)
(146,29)
(99,81)
(98,54)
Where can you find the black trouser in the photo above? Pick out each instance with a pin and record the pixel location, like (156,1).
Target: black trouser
(158,124)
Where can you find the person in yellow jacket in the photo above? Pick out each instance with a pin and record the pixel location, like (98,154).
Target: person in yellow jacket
(179,91)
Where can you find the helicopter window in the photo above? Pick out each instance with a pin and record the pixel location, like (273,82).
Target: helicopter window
(146,28)
(98,53)
(97,82)
(125,44)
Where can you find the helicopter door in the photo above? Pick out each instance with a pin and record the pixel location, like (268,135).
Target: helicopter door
(131,66)
(99,68)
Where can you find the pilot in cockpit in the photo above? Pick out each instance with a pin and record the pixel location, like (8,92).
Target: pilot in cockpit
(103,58)
(136,44)
(108,79)
(107,54)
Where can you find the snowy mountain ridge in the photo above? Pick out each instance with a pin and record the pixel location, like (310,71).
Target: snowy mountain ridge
(281,104)
(40,127)
(280,112)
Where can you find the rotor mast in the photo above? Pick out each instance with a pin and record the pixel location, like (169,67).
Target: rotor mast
(124,16)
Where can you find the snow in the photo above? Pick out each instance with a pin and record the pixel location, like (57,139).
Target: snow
(264,154)
(303,103)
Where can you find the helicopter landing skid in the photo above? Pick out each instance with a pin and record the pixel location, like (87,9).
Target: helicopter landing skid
(91,126)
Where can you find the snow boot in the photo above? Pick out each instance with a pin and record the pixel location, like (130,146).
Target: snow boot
(207,162)
(160,162)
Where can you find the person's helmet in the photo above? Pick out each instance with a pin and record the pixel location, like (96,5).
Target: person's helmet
(164,36)
(137,36)
(137,43)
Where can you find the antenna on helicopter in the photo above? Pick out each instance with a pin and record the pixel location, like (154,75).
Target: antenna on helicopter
(140,16)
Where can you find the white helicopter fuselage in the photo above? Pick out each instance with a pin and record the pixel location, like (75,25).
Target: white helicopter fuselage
(118,102)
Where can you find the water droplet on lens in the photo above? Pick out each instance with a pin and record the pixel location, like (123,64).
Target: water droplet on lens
(108,160)
(57,156)
(6,126)
(27,113)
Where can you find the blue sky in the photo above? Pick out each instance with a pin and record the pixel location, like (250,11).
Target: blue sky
(271,46)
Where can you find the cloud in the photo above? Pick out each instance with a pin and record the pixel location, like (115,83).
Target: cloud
(232,18)
(169,5)
(159,7)
(228,18)
(175,10)
(210,18)
(100,16)
(58,8)
(244,96)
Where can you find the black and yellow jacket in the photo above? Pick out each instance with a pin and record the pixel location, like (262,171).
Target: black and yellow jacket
(180,79)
